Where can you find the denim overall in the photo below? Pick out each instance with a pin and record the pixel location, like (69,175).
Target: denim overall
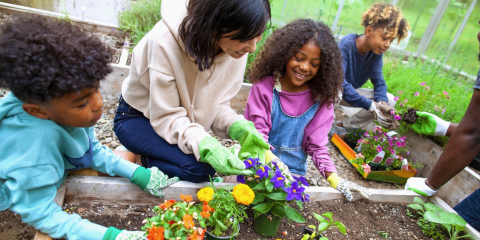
(287,133)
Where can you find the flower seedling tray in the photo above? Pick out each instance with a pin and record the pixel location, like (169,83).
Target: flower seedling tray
(392,176)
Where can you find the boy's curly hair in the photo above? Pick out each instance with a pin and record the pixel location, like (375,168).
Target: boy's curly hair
(388,17)
(44,58)
(281,46)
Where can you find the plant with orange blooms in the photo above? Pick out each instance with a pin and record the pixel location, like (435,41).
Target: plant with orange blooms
(176,220)
(225,208)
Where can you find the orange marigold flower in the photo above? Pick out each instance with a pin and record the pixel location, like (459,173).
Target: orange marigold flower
(188,221)
(186,198)
(155,233)
(205,214)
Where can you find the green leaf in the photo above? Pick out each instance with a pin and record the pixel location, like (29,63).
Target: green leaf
(260,186)
(278,210)
(322,226)
(417,200)
(319,217)
(293,214)
(221,225)
(256,214)
(168,234)
(258,198)
(277,196)
(299,203)
(445,218)
(270,187)
(263,207)
(341,227)
(323,238)
(328,215)
(312,227)
(415,206)
(432,207)
(169,215)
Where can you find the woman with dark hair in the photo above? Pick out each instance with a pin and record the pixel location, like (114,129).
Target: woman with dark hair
(183,74)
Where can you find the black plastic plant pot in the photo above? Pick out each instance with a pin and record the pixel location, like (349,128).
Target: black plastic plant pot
(410,116)
(376,167)
(309,231)
(352,144)
(211,236)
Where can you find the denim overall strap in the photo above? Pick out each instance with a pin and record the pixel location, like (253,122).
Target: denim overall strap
(287,134)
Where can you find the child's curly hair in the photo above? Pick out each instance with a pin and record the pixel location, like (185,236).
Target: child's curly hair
(388,17)
(44,58)
(281,46)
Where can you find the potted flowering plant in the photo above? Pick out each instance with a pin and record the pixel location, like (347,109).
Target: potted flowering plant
(176,220)
(224,209)
(274,190)
(351,138)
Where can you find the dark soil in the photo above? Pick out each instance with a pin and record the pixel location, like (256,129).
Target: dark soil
(363,219)
(410,116)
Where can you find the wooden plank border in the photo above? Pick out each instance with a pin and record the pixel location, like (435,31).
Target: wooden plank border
(114,190)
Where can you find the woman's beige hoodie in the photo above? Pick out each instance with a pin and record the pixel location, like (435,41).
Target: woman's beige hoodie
(165,84)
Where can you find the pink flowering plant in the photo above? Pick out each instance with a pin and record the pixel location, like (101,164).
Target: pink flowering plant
(422,97)
(376,141)
(274,189)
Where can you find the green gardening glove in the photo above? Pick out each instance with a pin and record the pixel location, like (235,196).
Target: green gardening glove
(221,158)
(115,234)
(249,138)
(430,125)
(152,180)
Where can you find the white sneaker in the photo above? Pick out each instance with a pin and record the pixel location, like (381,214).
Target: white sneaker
(336,129)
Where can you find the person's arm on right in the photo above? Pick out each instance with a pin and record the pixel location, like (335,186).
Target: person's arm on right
(462,147)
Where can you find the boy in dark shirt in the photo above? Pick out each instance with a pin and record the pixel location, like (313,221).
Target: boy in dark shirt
(362,60)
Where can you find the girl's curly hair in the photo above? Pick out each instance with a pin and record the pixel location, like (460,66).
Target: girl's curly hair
(281,46)
(44,58)
(388,17)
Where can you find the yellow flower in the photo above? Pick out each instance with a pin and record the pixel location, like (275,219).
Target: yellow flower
(205,194)
(243,194)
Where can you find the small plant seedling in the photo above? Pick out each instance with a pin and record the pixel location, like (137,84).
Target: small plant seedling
(383,234)
(432,215)
(324,225)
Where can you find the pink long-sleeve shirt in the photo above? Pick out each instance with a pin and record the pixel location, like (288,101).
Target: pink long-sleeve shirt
(315,139)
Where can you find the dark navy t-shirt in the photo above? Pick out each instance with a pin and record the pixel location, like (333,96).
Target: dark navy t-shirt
(477,84)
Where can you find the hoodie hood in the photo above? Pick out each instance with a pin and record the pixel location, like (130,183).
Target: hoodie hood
(173,12)
(11,106)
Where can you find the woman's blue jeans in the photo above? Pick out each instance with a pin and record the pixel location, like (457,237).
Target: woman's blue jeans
(136,133)
(469,209)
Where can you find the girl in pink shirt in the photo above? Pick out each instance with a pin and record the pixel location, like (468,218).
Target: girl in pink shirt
(296,80)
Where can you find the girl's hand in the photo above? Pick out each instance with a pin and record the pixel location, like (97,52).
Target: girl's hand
(345,187)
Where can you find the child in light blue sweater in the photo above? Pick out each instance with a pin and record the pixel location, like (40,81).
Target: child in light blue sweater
(53,70)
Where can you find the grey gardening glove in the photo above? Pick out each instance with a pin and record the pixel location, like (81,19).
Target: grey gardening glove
(344,186)
(152,180)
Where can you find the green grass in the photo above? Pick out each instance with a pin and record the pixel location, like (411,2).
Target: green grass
(407,78)
(139,18)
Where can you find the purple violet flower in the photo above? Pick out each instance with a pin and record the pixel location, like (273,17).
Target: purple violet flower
(252,162)
(294,192)
(399,144)
(445,93)
(278,179)
(305,198)
(262,172)
(379,149)
(302,180)
(396,98)
(241,179)
(423,83)
(397,117)
(416,94)
(400,92)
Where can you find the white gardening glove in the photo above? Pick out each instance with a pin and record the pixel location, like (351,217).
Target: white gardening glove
(116,234)
(344,186)
(430,124)
(419,186)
